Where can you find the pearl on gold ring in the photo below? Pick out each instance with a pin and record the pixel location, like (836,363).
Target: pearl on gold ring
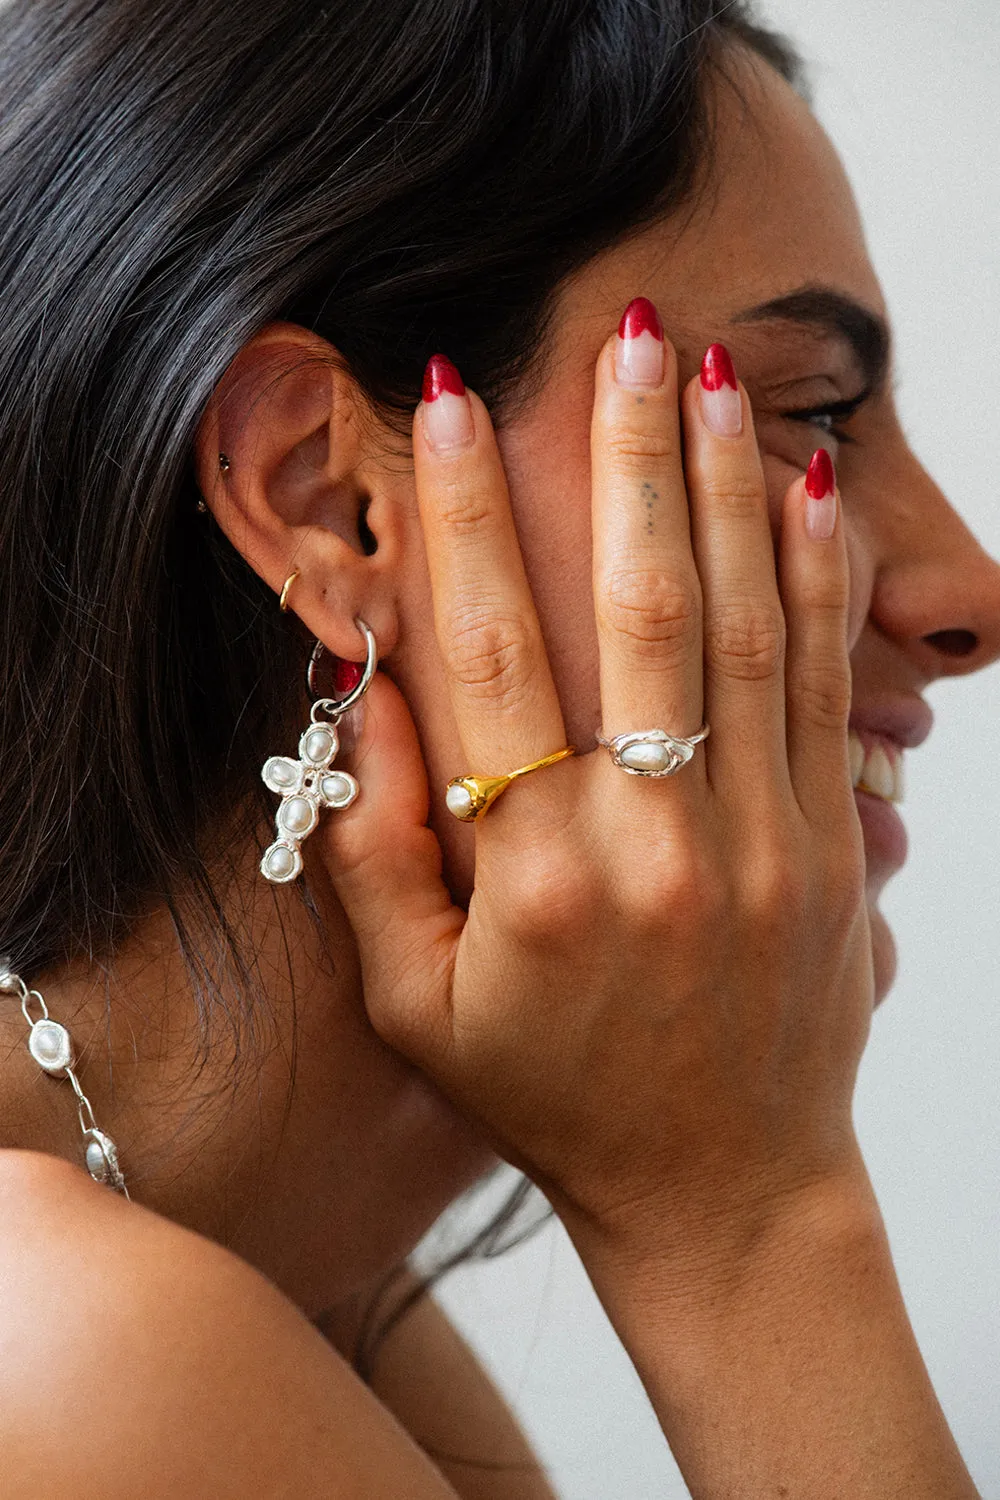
(458,800)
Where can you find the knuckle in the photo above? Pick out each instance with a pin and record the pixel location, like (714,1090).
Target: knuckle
(820,694)
(747,640)
(737,496)
(776,893)
(464,508)
(553,895)
(681,888)
(488,655)
(633,451)
(827,599)
(651,608)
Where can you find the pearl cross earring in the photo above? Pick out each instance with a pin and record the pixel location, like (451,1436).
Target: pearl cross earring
(306,786)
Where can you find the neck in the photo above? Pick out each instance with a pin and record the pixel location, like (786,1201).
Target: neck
(321,1186)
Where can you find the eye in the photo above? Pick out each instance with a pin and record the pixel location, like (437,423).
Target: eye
(827,417)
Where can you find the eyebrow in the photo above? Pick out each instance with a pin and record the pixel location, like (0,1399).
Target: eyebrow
(866,333)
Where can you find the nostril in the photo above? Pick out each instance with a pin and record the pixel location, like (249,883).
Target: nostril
(953,642)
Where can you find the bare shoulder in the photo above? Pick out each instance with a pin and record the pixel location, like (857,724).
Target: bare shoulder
(140,1358)
(427,1374)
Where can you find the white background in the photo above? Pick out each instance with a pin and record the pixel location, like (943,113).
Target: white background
(910,92)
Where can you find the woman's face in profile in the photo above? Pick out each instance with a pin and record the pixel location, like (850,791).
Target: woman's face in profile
(772,262)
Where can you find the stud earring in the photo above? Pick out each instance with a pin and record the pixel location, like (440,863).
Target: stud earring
(225,466)
(309,785)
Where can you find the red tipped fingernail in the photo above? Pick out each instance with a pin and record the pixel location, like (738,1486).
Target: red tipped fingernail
(640,317)
(821,478)
(721,406)
(441,376)
(446,413)
(639,347)
(717,369)
(821,497)
(346,676)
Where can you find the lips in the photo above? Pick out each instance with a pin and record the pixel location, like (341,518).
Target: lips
(908,721)
(899,724)
(886,842)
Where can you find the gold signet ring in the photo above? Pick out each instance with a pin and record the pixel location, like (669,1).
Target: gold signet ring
(471,797)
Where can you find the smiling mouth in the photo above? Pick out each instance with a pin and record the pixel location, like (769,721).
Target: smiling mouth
(876,765)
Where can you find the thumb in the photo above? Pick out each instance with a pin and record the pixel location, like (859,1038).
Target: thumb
(385,865)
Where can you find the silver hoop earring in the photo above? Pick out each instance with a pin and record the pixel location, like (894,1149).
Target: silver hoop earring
(308,786)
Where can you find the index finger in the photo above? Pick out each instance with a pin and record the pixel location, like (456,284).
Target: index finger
(501,687)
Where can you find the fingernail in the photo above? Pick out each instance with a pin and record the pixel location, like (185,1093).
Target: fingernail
(821,497)
(639,349)
(447,415)
(721,406)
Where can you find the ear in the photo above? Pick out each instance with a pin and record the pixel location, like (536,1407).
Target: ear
(286,460)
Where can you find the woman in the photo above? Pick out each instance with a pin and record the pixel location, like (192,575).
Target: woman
(231,246)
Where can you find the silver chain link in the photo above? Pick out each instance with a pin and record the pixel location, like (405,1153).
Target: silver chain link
(51,1046)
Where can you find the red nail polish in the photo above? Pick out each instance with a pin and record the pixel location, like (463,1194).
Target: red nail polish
(346,677)
(640,317)
(440,376)
(717,369)
(821,478)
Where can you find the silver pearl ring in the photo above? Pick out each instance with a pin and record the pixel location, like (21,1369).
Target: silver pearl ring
(653,752)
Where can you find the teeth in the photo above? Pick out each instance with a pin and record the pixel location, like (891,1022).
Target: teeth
(874,770)
(878,774)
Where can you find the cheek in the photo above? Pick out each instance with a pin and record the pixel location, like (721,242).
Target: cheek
(550,497)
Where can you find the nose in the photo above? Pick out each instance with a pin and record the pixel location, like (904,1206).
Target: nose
(936,590)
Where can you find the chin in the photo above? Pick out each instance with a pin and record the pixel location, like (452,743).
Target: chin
(884,958)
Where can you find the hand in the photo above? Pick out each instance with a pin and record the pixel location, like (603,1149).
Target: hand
(657,1001)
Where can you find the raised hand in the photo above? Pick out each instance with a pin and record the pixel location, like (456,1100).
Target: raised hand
(658,998)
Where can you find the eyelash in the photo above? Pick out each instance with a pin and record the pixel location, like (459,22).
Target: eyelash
(836,411)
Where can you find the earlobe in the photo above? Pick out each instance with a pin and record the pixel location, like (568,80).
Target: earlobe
(283,463)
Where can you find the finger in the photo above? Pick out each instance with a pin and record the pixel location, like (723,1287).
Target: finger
(385,866)
(815,588)
(502,692)
(647,597)
(744,628)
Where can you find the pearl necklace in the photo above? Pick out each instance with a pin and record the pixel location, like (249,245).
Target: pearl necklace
(51,1046)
